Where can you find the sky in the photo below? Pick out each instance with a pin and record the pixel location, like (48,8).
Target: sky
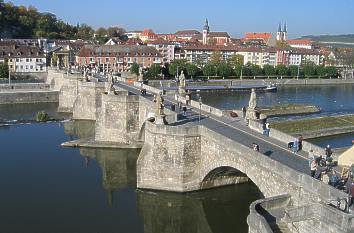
(303,17)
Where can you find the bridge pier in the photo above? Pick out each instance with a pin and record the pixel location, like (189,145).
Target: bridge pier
(67,95)
(171,160)
(118,120)
(88,100)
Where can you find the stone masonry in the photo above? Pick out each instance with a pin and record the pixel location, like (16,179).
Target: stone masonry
(88,101)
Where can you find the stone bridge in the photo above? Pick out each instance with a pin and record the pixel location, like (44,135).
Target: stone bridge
(190,155)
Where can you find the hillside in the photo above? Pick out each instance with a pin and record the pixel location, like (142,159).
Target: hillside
(333,40)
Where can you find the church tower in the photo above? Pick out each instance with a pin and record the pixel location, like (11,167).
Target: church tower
(279,33)
(282,33)
(285,32)
(205,31)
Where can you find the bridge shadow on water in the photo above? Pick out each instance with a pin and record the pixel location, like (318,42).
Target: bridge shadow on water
(218,210)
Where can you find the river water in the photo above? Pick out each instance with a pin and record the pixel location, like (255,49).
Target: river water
(332,99)
(47,188)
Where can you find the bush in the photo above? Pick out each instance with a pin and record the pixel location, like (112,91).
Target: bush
(42,116)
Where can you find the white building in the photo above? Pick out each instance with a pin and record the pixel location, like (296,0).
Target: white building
(23,59)
(302,44)
(254,55)
(133,34)
(166,49)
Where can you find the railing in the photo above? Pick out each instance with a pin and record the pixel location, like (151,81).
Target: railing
(261,216)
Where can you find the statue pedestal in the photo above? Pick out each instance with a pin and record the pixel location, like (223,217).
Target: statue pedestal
(160,120)
(252,114)
(182,91)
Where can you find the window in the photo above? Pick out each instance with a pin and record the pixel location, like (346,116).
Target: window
(26,67)
(10,66)
(21,67)
(107,59)
(31,67)
(10,60)
(27,59)
(17,59)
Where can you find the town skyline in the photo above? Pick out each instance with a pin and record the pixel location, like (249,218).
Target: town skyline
(312,21)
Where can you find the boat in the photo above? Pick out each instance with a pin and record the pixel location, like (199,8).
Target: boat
(271,87)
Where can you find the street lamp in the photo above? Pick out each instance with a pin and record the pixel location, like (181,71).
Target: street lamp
(9,77)
(200,107)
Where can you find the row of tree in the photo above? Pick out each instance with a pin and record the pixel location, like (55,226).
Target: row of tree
(4,70)
(27,22)
(225,70)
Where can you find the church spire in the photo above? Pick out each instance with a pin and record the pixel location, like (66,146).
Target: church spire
(285,29)
(206,25)
(279,28)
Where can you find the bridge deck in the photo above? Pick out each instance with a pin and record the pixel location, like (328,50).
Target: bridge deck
(238,131)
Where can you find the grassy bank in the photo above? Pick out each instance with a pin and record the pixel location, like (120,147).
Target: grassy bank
(289,109)
(321,123)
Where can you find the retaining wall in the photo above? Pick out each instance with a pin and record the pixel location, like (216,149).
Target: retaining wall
(29,97)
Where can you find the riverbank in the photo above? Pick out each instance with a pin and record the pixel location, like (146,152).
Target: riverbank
(255,81)
(289,109)
(317,127)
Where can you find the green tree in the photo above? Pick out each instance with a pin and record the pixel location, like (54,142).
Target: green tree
(282,70)
(154,71)
(244,70)
(192,70)
(309,70)
(209,70)
(84,32)
(115,31)
(4,70)
(331,71)
(101,31)
(321,71)
(235,60)
(256,70)
(180,64)
(294,70)
(216,58)
(134,69)
(269,70)
(224,70)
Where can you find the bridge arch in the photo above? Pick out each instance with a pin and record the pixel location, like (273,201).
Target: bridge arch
(239,167)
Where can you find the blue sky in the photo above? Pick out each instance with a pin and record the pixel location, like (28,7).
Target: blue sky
(303,17)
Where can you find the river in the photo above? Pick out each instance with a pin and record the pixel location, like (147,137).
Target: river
(47,188)
(332,99)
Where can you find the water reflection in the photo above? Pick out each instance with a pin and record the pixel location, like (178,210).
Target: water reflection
(118,168)
(219,210)
(76,129)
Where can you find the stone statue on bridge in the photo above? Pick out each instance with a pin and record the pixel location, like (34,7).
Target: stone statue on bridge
(252,104)
(110,84)
(182,83)
(141,74)
(159,112)
(252,113)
